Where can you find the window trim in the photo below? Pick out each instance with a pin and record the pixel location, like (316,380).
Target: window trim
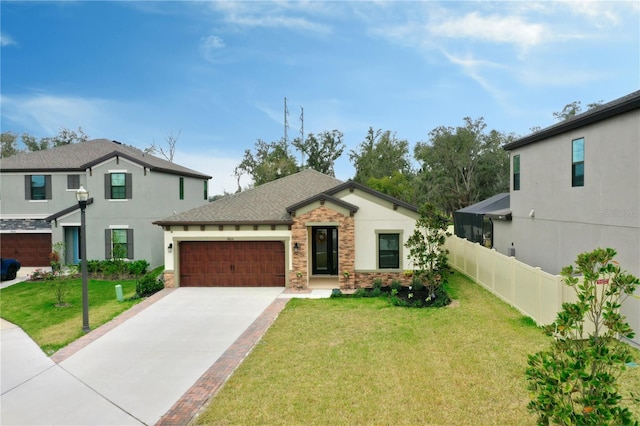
(108,236)
(577,180)
(28,188)
(72,180)
(397,232)
(128,184)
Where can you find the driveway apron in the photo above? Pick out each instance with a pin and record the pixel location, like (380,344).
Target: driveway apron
(134,373)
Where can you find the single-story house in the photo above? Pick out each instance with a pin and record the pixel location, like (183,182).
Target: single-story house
(304,230)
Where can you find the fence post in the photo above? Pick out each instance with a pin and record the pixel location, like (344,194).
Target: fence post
(539,295)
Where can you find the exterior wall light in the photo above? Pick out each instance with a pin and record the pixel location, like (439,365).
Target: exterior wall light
(170,247)
(296,247)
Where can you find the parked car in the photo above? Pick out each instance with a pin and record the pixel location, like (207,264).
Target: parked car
(10,268)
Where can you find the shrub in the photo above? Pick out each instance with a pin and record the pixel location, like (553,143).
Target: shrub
(94,266)
(60,288)
(138,267)
(377,283)
(417,283)
(575,381)
(148,284)
(336,292)
(396,285)
(361,292)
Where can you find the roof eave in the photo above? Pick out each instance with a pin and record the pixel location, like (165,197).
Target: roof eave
(580,121)
(221,222)
(352,184)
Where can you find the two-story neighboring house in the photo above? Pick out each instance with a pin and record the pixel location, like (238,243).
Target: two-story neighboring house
(128,190)
(575,186)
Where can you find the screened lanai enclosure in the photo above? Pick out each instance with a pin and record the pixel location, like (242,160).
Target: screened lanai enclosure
(475,222)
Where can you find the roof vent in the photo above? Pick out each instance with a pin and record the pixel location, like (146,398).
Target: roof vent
(119,143)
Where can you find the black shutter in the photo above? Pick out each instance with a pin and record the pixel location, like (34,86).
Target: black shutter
(129,243)
(107,243)
(107,187)
(47,187)
(27,187)
(128,181)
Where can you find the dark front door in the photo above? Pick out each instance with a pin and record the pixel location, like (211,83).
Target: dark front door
(325,250)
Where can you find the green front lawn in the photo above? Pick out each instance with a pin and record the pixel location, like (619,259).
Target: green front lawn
(31,305)
(361,361)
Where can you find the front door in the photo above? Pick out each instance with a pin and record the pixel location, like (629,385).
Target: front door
(324,250)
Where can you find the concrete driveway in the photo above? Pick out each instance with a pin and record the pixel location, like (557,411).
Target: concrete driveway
(134,373)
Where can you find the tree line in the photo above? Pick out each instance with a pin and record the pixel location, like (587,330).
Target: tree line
(456,166)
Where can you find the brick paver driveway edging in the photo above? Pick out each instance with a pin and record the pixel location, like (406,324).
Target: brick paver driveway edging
(205,388)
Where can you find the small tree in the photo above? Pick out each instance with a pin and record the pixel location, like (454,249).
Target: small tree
(575,381)
(426,250)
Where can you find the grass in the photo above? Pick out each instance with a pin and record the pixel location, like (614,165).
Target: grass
(362,361)
(31,305)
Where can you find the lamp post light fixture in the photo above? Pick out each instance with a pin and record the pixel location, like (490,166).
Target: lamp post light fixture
(82,195)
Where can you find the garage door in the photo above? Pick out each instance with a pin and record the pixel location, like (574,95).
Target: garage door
(28,249)
(232,264)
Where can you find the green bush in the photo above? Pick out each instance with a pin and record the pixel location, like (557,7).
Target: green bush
(377,283)
(396,285)
(361,292)
(138,267)
(574,382)
(147,285)
(417,283)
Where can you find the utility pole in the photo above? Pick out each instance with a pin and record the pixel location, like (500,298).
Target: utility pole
(301,135)
(286,121)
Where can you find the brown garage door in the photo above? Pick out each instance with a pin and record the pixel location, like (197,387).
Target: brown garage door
(28,249)
(232,264)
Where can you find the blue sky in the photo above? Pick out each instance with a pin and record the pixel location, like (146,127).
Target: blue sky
(218,72)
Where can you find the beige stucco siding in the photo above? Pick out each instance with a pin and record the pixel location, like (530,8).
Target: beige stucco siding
(374,217)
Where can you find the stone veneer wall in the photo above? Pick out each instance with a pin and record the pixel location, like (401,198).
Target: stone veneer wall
(365,279)
(168,278)
(346,245)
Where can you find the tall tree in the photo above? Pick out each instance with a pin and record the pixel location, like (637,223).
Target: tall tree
(574,108)
(168,151)
(9,141)
(321,152)
(462,165)
(31,143)
(381,154)
(269,161)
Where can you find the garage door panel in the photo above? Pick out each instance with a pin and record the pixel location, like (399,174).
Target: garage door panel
(232,263)
(28,249)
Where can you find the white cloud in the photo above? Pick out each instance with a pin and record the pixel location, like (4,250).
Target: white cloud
(499,29)
(48,113)
(280,14)
(210,48)
(6,40)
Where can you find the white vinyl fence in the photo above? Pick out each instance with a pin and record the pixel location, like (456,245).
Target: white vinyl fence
(535,293)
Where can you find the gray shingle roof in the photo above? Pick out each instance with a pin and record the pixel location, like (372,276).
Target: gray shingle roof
(263,204)
(82,155)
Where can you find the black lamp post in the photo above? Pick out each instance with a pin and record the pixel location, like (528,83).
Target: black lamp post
(82,195)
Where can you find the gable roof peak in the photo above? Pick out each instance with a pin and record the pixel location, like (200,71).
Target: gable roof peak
(82,155)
